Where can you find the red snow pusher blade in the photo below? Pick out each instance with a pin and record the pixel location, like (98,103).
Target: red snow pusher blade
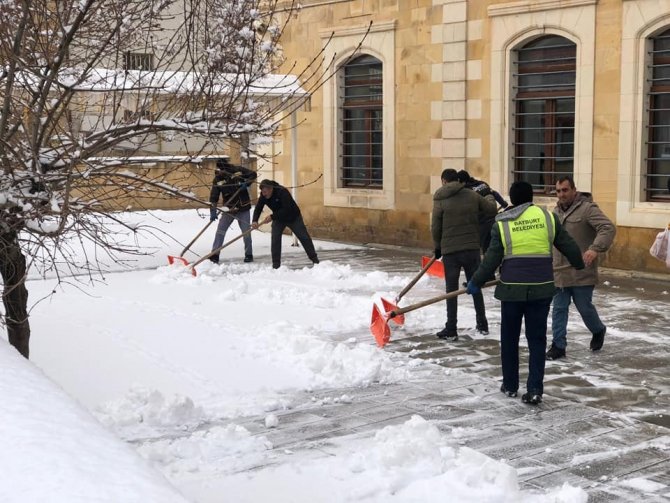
(436,268)
(379,323)
(392,306)
(379,327)
(172,259)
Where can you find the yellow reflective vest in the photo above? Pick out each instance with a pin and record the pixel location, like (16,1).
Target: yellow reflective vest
(527,242)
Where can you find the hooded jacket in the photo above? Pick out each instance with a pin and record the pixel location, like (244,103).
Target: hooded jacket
(456,214)
(228,185)
(592,230)
(284,208)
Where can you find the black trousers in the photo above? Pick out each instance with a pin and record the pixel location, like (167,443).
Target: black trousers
(469,261)
(534,313)
(298,228)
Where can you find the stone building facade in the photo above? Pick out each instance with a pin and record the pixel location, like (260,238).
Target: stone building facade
(527,89)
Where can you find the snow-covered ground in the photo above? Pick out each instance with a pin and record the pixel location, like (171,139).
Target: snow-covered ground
(170,363)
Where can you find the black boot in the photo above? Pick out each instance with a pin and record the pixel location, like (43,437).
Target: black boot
(555,353)
(598,340)
(248,258)
(508,392)
(449,334)
(531,398)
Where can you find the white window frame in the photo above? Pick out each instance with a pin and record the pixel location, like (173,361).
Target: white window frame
(513,25)
(339,45)
(640,20)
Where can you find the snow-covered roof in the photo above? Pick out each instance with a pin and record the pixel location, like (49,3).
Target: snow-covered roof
(149,159)
(174,82)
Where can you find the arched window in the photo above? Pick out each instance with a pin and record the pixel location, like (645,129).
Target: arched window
(361,126)
(658,134)
(544,111)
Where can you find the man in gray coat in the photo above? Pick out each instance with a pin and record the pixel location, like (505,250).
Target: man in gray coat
(455,230)
(594,233)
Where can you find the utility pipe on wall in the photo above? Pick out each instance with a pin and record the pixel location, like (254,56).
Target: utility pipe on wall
(294,162)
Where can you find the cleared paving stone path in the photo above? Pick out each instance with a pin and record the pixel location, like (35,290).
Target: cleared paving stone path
(605,422)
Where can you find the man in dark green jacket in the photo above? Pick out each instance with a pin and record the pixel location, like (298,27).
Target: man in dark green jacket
(455,229)
(521,244)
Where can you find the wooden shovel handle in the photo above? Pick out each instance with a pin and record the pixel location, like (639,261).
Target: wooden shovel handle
(416,278)
(217,250)
(450,295)
(186,248)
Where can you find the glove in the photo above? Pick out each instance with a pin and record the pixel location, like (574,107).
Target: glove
(213,214)
(486,191)
(472,289)
(243,185)
(438,253)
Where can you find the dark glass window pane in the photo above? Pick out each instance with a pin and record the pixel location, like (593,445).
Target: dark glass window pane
(658,138)
(362,123)
(545,74)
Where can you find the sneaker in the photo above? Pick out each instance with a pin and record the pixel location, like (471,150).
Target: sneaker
(598,339)
(448,334)
(555,353)
(531,398)
(214,259)
(511,394)
(248,258)
(483,329)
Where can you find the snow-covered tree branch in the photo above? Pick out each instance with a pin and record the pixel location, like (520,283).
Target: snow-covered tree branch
(86,86)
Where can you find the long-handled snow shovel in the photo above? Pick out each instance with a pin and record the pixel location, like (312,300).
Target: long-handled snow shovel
(180,257)
(393,306)
(379,326)
(217,250)
(172,258)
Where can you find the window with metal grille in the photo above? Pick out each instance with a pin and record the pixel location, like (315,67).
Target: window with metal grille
(657,173)
(138,61)
(361,99)
(133,116)
(544,111)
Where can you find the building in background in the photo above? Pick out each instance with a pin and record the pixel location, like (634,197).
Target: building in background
(530,89)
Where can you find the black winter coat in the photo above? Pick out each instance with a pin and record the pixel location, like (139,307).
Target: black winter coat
(284,208)
(227,185)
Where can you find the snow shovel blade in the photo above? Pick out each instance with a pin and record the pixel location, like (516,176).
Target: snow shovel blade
(436,269)
(379,327)
(390,306)
(172,259)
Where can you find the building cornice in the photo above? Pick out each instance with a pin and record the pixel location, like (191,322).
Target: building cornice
(345,31)
(511,8)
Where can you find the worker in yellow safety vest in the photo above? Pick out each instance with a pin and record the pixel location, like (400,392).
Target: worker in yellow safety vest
(521,244)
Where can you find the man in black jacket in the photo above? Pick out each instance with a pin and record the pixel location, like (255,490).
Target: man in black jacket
(230,184)
(485,222)
(285,213)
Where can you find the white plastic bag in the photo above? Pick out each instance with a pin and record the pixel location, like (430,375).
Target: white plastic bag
(660,247)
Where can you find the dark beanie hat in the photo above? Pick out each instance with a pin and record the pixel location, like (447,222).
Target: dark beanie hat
(520,193)
(449,175)
(266,183)
(464,176)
